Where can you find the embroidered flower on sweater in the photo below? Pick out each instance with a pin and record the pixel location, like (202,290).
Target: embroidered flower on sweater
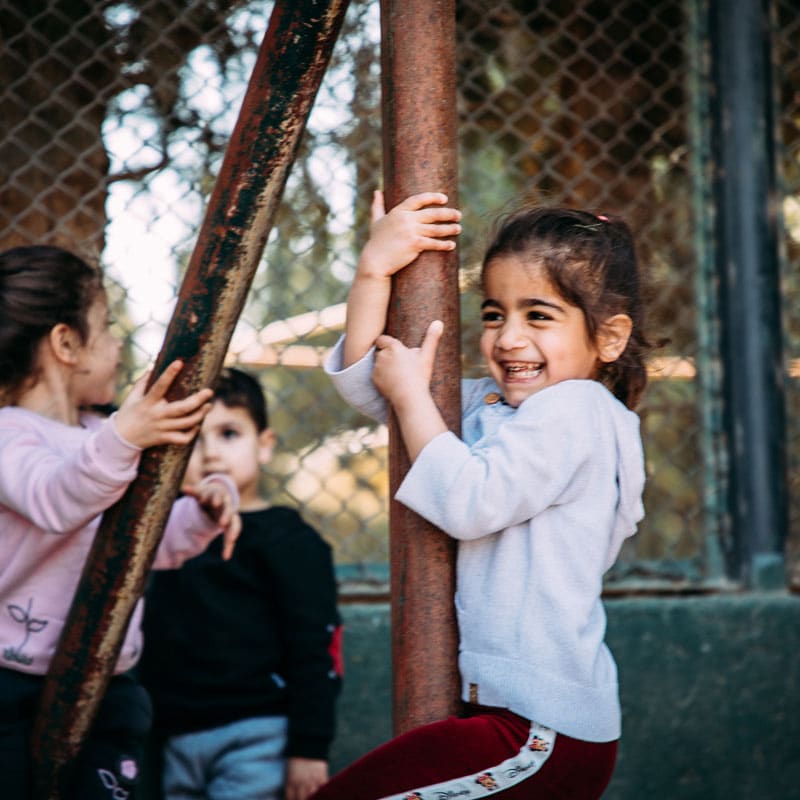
(31,625)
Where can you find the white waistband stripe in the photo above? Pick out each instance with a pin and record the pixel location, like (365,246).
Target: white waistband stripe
(493,779)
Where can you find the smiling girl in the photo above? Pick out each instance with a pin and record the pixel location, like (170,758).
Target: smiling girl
(540,492)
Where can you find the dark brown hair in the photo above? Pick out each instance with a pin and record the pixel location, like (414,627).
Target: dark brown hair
(238,389)
(40,287)
(592,263)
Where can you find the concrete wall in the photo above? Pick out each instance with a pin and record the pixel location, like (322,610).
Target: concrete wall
(710,694)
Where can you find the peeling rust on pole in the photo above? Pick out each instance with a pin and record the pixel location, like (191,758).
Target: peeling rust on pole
(420,154)
(287,74)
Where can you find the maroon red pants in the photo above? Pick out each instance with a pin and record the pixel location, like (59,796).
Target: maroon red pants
(489,752)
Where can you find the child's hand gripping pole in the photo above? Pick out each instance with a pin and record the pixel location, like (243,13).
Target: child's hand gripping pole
(146,418)
(403,375)
(420,223)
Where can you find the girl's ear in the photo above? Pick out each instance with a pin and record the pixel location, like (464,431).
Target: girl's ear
(65,343)
(266,444)
(612,338)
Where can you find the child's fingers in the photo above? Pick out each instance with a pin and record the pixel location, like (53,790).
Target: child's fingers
(218,504)
(377,208)
(196,403)
(185,425)
(418,201)
(230,536)
(429,243)
(440,229)
(211,498)
(138,388)
(440,216)
(384,341)
(190,491)
(165,379)
(430,343)
(177,437)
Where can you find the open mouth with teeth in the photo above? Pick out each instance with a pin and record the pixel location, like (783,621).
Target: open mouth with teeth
(517,370)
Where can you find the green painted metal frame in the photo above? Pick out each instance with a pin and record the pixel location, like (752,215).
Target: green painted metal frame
(748,281)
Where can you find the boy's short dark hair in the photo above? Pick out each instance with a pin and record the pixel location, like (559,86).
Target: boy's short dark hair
(237,389)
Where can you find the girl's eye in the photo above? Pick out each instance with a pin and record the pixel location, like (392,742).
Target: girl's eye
(490,318)
(538,316)
(230,433)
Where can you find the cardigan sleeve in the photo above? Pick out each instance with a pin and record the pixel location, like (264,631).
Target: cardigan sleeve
(534,460)
(354,383)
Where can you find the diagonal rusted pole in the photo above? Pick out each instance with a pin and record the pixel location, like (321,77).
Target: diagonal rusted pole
(287,74)
(419,123)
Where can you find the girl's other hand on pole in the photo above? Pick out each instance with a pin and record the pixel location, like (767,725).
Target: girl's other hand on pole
(421,222)
(304,776)
(147,418)
(402,374)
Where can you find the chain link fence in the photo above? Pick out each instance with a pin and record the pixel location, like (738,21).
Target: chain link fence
(115,119)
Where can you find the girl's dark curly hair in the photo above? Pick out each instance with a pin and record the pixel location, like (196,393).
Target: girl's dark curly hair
(592,263)
(40,287)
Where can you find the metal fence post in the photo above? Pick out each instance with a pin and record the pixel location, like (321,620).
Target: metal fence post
(420,146)
(289,69)
(748,273)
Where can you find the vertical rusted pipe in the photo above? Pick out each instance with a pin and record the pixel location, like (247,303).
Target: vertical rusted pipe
(287,74)
(419,124)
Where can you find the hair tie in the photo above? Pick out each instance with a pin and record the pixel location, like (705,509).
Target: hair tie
(602,217)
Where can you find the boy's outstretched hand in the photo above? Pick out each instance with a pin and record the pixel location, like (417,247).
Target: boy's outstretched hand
(146,419)
(304,776)
(216,501)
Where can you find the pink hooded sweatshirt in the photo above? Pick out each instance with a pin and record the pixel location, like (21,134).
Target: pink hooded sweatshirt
(55,482)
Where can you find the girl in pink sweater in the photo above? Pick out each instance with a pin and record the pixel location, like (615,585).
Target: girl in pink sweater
(61,466)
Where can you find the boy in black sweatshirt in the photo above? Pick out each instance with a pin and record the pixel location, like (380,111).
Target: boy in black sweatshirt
(243,657)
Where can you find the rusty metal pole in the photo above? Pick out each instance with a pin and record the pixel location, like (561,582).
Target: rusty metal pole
(287,74)
(420,154)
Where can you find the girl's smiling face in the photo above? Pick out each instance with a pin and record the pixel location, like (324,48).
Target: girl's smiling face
(532,338)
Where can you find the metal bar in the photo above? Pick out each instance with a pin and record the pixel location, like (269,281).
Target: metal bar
(708,368)
(419,124)
(748,274)
(287,74)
